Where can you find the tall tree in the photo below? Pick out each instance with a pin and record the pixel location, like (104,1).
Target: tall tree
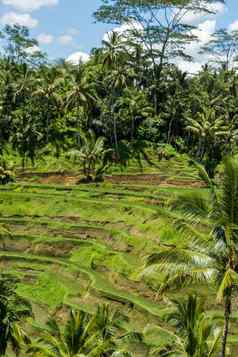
(47,93)
(158,25)
(80,95)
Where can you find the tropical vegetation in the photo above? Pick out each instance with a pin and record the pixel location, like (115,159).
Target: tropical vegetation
(119,191)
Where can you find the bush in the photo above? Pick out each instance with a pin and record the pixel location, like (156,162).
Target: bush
(166,151)
(6,176)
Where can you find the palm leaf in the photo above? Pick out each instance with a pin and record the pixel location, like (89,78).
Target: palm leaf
(230,279)
(229,201)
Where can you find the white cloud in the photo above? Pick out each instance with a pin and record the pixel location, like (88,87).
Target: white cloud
(203,33)
(190,67)
(65,40)
(32,50)
(12,18)
(78,57)
(124,29)
(45,39)
(217,7)
(73,31)
(191,17)
(233,26)
(29,5)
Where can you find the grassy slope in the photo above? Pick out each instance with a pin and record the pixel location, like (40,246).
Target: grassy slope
(87,244)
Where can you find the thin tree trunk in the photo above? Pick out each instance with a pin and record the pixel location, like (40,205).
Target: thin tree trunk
(170,131)
(132,127)
(115,135)
(23,163)
(78,134)
(47,126)
(227,314)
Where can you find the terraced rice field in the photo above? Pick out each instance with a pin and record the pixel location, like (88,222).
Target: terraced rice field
(83,245)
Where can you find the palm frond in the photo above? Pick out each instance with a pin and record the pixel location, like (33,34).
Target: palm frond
(229,200)
(215,344)
(181,277)
(230,279)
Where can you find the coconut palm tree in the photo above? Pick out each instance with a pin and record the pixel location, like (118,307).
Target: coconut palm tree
(90,153)
(211,260)
(134,107)
(208,128)
(27,137)
(113,50)
(198,336)
(83,335)
(118,74)
(13,309)
(48,85)
(80,93)
(79,336)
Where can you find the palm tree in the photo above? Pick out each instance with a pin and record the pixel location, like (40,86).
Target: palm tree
(134,105)
(114,60)
(198,336)
(214,260)
(208,128)
(113,50)
(80,93)
(48,85)
(83,335)
(27,136)
(90,153)
(13,309)
(79,336)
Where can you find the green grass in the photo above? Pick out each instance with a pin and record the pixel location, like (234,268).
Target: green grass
(83,245)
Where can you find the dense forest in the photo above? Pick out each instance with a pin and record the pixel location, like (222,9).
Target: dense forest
(137,255)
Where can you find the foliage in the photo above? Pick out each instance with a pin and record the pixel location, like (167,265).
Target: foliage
(91,152)
(166,151)
(223,47)
(83,334)
(118,95)
(6,176)
(13,309)
(212,261)
(129,103)
(198,334)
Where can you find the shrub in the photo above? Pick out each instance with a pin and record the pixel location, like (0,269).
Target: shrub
(6,176)
(166,151)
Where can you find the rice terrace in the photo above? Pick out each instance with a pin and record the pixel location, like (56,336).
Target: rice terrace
(118,178)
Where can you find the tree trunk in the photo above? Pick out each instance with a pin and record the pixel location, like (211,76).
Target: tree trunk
(132,127)
(227,314)
(78,121)
(115,135)
(23,163)
(47,123)
(170,131)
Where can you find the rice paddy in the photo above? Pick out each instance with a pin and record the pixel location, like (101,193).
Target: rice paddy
(83,245)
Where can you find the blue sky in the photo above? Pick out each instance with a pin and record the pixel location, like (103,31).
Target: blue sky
(230,15)
(64,27)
